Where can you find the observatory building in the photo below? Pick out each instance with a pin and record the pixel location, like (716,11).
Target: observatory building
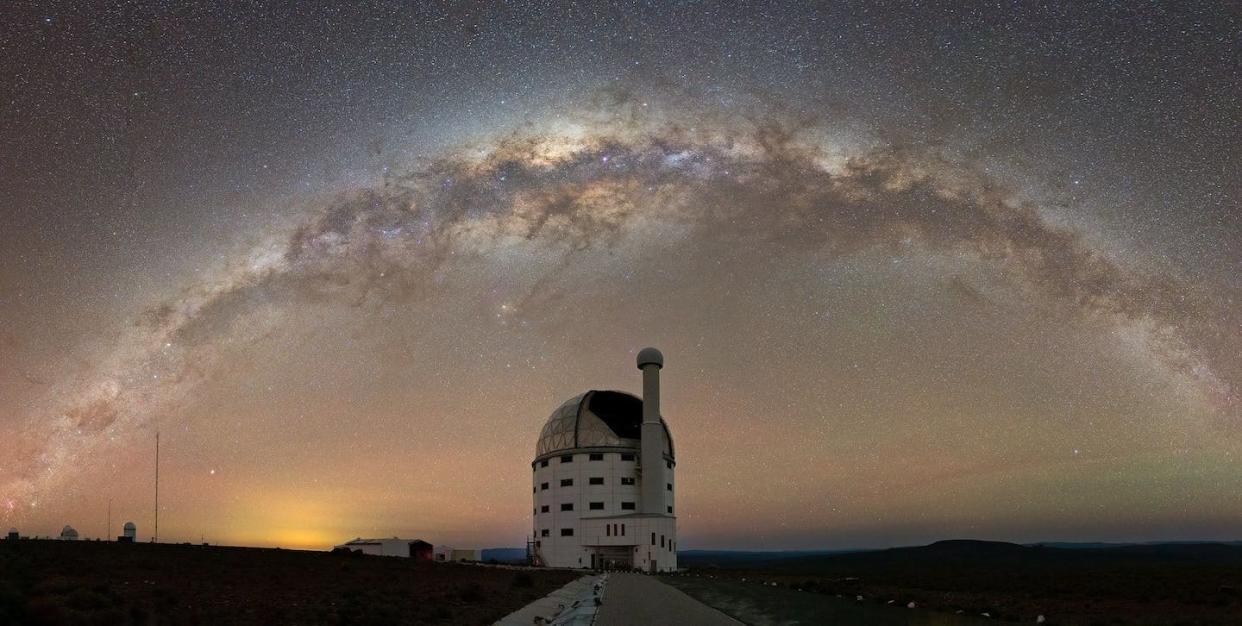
(603,481)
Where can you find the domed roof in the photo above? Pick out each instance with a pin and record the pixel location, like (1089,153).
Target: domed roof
(68,531)
(130,526)
(596,419)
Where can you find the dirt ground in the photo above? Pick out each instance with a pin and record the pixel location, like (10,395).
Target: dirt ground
(1165,584)
(758,604)
(54,582)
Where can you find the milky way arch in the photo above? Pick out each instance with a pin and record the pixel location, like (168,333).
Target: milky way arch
(756,179)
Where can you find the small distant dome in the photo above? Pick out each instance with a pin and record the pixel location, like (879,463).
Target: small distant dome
(130,526)
(650,356)
(68,533)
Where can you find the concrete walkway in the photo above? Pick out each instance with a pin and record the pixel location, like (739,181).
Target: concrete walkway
(571,605)
(639,599)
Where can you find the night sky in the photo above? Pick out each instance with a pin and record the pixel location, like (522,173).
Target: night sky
(918,272)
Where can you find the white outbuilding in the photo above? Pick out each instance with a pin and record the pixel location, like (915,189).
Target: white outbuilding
(68,534)
(603,481)
(390,546)
(449,554)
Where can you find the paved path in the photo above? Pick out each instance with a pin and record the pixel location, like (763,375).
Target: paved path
(638,599)
(571,605)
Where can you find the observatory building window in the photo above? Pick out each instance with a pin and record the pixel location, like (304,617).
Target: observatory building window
(597,506)
(627,457)
(623,530)
(543,509)
(668,486)
(543,463)
(545,532)
(608,530)
(669,463)
(670,509)
(653,539)
(627,480)
(567,458)
(567,532)
(543,486)
(569,482)
(661,541)
(596,456)
(567,506)
(627,506)
(597,480)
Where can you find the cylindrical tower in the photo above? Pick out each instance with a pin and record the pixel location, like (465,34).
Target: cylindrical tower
(650,361)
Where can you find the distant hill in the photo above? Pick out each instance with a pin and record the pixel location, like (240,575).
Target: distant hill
(981,555)
(745,558)
(1070,545)
(504,555)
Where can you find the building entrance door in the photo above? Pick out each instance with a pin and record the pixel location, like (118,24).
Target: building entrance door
(612,557)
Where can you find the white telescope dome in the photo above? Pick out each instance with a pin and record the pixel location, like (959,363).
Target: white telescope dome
(597,419)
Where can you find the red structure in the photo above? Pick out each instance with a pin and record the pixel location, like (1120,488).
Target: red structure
(420,550)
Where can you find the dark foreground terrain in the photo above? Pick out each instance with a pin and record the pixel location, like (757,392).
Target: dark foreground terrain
(1139,584)
(53,582)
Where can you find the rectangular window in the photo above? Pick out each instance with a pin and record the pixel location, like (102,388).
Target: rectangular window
(597,506)
(653,539)
(544,533)
(627,457)
(567,532)
(543,463)
(567,482)
(567,458)
(543,486)
(567,506)
(669,464)
(597,480)
(608,530)
(627,506)
(538,543)
(543,509)
(534,490)
(596,456)
(623,530)
(625,480)
(668,486)
(670,510)
(661,541)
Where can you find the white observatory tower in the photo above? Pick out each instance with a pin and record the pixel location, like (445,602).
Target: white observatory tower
(129,533)
(603,481)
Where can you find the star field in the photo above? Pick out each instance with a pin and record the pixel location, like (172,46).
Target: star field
(919,271)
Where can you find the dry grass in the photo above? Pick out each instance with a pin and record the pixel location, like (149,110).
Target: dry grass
(52,582)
